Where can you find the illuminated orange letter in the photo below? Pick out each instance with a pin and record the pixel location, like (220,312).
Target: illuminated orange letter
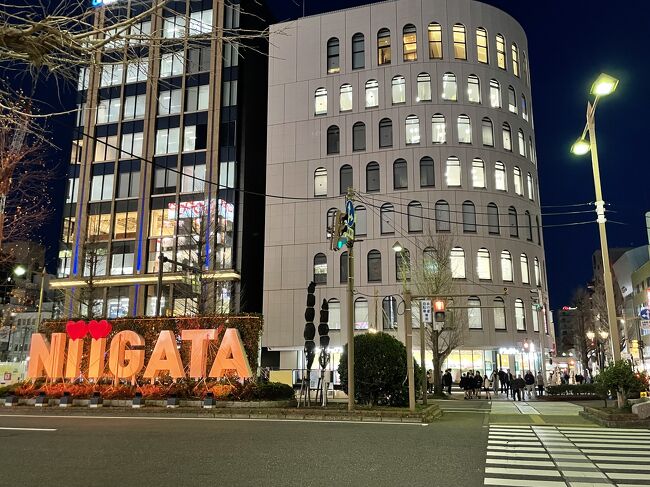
(73,364)
(124,363)
(165,356)
(231,356)
(46,359)
(96,363)
(199,350)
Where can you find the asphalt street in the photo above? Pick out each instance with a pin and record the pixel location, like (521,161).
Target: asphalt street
(146,451)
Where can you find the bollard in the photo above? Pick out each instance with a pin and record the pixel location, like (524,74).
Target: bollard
(96,401)
(138,401)
(209,401)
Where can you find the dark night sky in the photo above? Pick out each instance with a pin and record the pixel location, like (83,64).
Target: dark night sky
(568,47)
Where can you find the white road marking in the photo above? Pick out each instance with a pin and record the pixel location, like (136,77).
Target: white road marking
(26,429)
(519,482)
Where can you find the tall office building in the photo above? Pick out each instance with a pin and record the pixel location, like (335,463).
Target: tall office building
(160,156)
(424,108)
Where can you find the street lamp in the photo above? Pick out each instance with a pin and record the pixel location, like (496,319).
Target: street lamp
(603,86)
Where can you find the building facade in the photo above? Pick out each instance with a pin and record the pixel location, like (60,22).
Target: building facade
(424,109)
(158,166)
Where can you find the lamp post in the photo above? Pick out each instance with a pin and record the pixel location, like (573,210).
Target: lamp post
(408,331)
(603,86)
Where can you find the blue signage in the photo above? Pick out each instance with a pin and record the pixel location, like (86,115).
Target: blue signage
(644,313)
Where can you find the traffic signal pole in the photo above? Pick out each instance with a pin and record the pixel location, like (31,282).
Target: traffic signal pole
(350,326)
(410,372)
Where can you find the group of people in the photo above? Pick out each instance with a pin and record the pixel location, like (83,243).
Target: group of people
(473,383)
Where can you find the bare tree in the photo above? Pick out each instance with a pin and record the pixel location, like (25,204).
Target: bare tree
(581,300)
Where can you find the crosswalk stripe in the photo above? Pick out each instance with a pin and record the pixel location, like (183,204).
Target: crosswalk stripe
(521,463)
(629,476)
(517,455)
(635,460)
(592,474)
(615,452)
(518,483)
(624,446)
(618,466)
(521,471)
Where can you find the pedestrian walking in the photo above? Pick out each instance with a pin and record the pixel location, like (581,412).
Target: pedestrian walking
(494,380)
(518,385)
(464,385)
(509,380)
(487,385)
(478,384)
(502,380)
(529,379)
(539,380)
(447,381)
(429,381)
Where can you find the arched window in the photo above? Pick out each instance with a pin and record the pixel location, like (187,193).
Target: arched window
(525,278)
(442,216)
(535,317)
(500,179)
(538,272)
(424,87)
(372,93)
(493,219)
(529,226)
(531,187)
(320,102)
(495,94)
(409,39)
(519,184)
(320,269)
(372,177)
(403,265)
(345,98)
(520,315)
(330,222)
(412,129)
(334,306)
(333,140)
(430,261)
(457,263)
(506,266)
(482,46)
(358,51)
(389,313)
(359,136)
(501,51)
(449,87)
(385,133)
(507,137)
(512,100)
(469,217)
(515,60)
(438,129)
(499,307)
(415,216)
(400,174)
(343,268)
(531,151)
(539,231)
(345,178)
(398,89)
(427,179)
(524,67)
(333,56)
(524,107)
(487,131)
(452,172)
(464,127)
(387,219)
(435,41)
(512,222)
(361,314)
(360,220)
(522,143)
(460,44)
(478,173)
(320,182)
(374,266)
(474,321)
(383,47)
(483,264)
(473,89)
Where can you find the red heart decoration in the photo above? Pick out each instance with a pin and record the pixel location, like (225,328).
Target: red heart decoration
(99,329)
(76,329)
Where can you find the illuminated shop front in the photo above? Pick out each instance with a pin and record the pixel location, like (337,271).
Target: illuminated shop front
(485,361)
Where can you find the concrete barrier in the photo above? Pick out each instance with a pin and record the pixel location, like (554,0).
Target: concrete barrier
(642,410)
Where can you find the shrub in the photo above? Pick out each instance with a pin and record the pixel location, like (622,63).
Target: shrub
(379,370)
(273,391)
(572,390)
(620,379)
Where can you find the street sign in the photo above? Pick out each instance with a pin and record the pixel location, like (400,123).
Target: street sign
(427,315)
(645,313)
(645,324)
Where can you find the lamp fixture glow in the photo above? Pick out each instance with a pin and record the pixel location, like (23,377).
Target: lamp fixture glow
(20,271)
(591,335)
(604,85)
(580,147)
(604,335)
(397,247)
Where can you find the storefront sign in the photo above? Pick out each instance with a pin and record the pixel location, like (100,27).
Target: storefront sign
(509,351)
(126,354)
(645,324)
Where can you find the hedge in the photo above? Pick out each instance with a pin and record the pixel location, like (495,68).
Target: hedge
(573,390)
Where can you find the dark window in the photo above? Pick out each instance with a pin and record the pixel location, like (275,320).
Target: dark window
(529,227)
(469,217)
(333,140)
(372,177)
(343,268)
(442,216)
(320,269)
(385,133)
(426,173)
(539,231)
(358,51)
(512,218)
(164,177)
(359,136)
(333,56)
(198,60)
(400,176)
(374,266)
(345,176)
(128,184)
(389,313)
(415,216)
(493,219)
(383,47)
(387,219)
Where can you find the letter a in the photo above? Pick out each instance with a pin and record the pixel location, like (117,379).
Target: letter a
(165,356)
(231,356)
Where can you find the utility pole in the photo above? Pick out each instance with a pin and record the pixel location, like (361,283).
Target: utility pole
(422,357)
(350,246)
(409,349)
(161,262)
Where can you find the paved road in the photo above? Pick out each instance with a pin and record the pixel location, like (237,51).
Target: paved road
(93,451)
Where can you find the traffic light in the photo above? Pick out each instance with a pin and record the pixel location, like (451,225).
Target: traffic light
(439,311)
(342,236)
(343,227)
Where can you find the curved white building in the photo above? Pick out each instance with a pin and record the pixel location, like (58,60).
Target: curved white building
(424,108)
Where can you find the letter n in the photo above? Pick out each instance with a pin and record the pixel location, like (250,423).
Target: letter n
(46,359)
